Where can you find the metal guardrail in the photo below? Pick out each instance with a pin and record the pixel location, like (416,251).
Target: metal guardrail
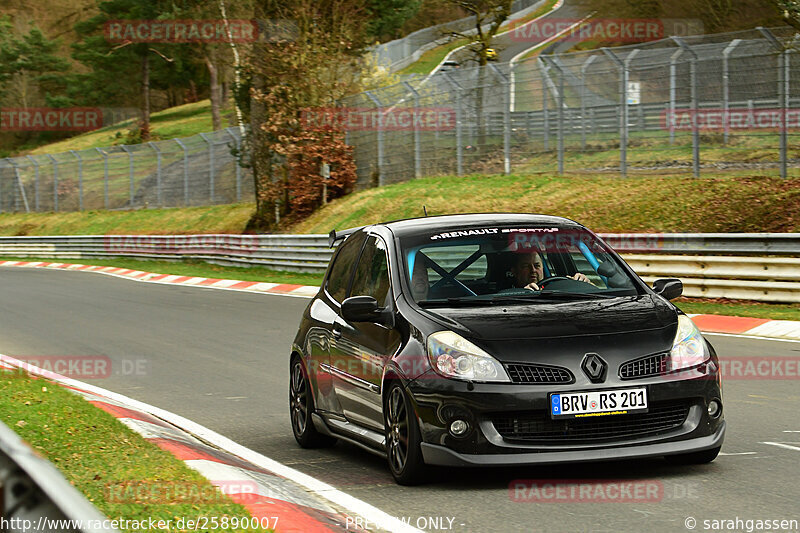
(752,266)
(35,496)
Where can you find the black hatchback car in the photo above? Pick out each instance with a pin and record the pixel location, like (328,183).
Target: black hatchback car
(499,339)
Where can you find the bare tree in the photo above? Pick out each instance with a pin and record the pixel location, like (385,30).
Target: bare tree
(489,16)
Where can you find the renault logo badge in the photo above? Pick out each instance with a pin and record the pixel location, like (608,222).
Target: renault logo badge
(594,367)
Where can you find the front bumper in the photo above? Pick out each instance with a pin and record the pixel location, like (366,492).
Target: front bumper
(440,455)
(525,434)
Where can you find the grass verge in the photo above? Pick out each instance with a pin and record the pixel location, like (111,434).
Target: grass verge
(230,218)
(723,306)
(193,268)
(97,453)
(180,121)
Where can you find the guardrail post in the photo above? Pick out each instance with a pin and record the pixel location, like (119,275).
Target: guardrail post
(584,67)
(783,92)
(210,167)
(55,181)
(80,179)
(158,172)
(726,87)
(459,125)
(130,172)
(693,91)
(506,119)
(237,143)
(105,175)
(36,183)
(417,158)
(185,172)
(379,108)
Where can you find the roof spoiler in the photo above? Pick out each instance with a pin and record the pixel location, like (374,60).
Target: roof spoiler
(334,235)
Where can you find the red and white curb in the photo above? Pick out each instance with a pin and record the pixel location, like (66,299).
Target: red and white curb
(747,326)
(286,289)
(265,487)
(730,325)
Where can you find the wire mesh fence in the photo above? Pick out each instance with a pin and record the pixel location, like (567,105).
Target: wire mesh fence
(691,105)
(193,171)
(677,105)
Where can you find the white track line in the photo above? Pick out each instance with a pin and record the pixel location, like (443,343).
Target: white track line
(745,336)
(782,445)
(322,489)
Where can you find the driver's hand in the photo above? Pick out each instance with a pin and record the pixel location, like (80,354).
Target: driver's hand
(578,276)
(532,286)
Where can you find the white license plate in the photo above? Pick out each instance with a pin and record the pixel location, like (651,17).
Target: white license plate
(598,403)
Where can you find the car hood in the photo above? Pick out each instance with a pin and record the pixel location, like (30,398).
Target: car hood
(636,324)
(562,319)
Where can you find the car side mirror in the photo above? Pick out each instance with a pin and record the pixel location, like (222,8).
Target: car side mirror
(669,288)
(363,309)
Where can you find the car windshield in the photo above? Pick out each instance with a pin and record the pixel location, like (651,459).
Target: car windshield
(486,265)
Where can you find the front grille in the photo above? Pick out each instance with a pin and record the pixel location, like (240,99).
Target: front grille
(652,365)
(539,427)
(524,373)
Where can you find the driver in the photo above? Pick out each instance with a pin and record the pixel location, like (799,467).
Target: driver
(528,271)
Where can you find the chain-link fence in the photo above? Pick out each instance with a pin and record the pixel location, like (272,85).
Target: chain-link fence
(193,171)
(725,101)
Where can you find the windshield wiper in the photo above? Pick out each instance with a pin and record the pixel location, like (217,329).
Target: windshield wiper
(576,295)
(454,302)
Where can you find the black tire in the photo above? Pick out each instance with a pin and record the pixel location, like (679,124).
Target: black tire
(694,458)
(403,451)
(301,405)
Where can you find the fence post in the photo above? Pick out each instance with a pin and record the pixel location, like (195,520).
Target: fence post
(584,67)
(726,87)
(152,145)
(36,183)
(19,184)
(506,119)
(55,181)
(238,144)
(560,103)
(379,108)
(80,179)
(185,172)
(623,120)
(673,67)
(693,91)
(417,158)
(105,175)
(130,172)
(783,92)
(545,119)
(210,166)
(459,120)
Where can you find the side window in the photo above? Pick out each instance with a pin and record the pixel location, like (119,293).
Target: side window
(372,272)
(342,268)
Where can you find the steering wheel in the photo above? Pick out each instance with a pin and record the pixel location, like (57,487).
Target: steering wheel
(541,282)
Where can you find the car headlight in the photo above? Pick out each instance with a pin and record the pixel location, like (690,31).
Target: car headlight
(454,356)
(688,348)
